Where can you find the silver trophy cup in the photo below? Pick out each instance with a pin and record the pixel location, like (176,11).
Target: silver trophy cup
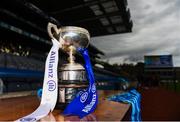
(72,75)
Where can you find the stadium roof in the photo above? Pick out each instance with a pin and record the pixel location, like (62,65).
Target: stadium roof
(100,17)
(29,18)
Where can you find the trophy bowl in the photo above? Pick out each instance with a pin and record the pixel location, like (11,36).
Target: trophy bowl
(75,36)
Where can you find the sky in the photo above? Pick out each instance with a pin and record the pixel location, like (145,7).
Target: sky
(156,30)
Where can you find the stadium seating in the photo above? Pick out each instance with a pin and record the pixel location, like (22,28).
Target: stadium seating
(20,73)
(20,62)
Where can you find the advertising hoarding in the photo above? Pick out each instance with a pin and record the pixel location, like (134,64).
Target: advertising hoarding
(158,61)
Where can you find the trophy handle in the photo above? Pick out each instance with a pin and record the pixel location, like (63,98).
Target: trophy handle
(54,27)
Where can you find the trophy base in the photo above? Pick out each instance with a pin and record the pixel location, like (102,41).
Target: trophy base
(67,91)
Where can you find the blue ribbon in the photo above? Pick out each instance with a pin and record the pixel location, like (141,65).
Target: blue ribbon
(85,101)
(132,97)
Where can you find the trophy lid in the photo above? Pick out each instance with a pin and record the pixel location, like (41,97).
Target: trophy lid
(76,36)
